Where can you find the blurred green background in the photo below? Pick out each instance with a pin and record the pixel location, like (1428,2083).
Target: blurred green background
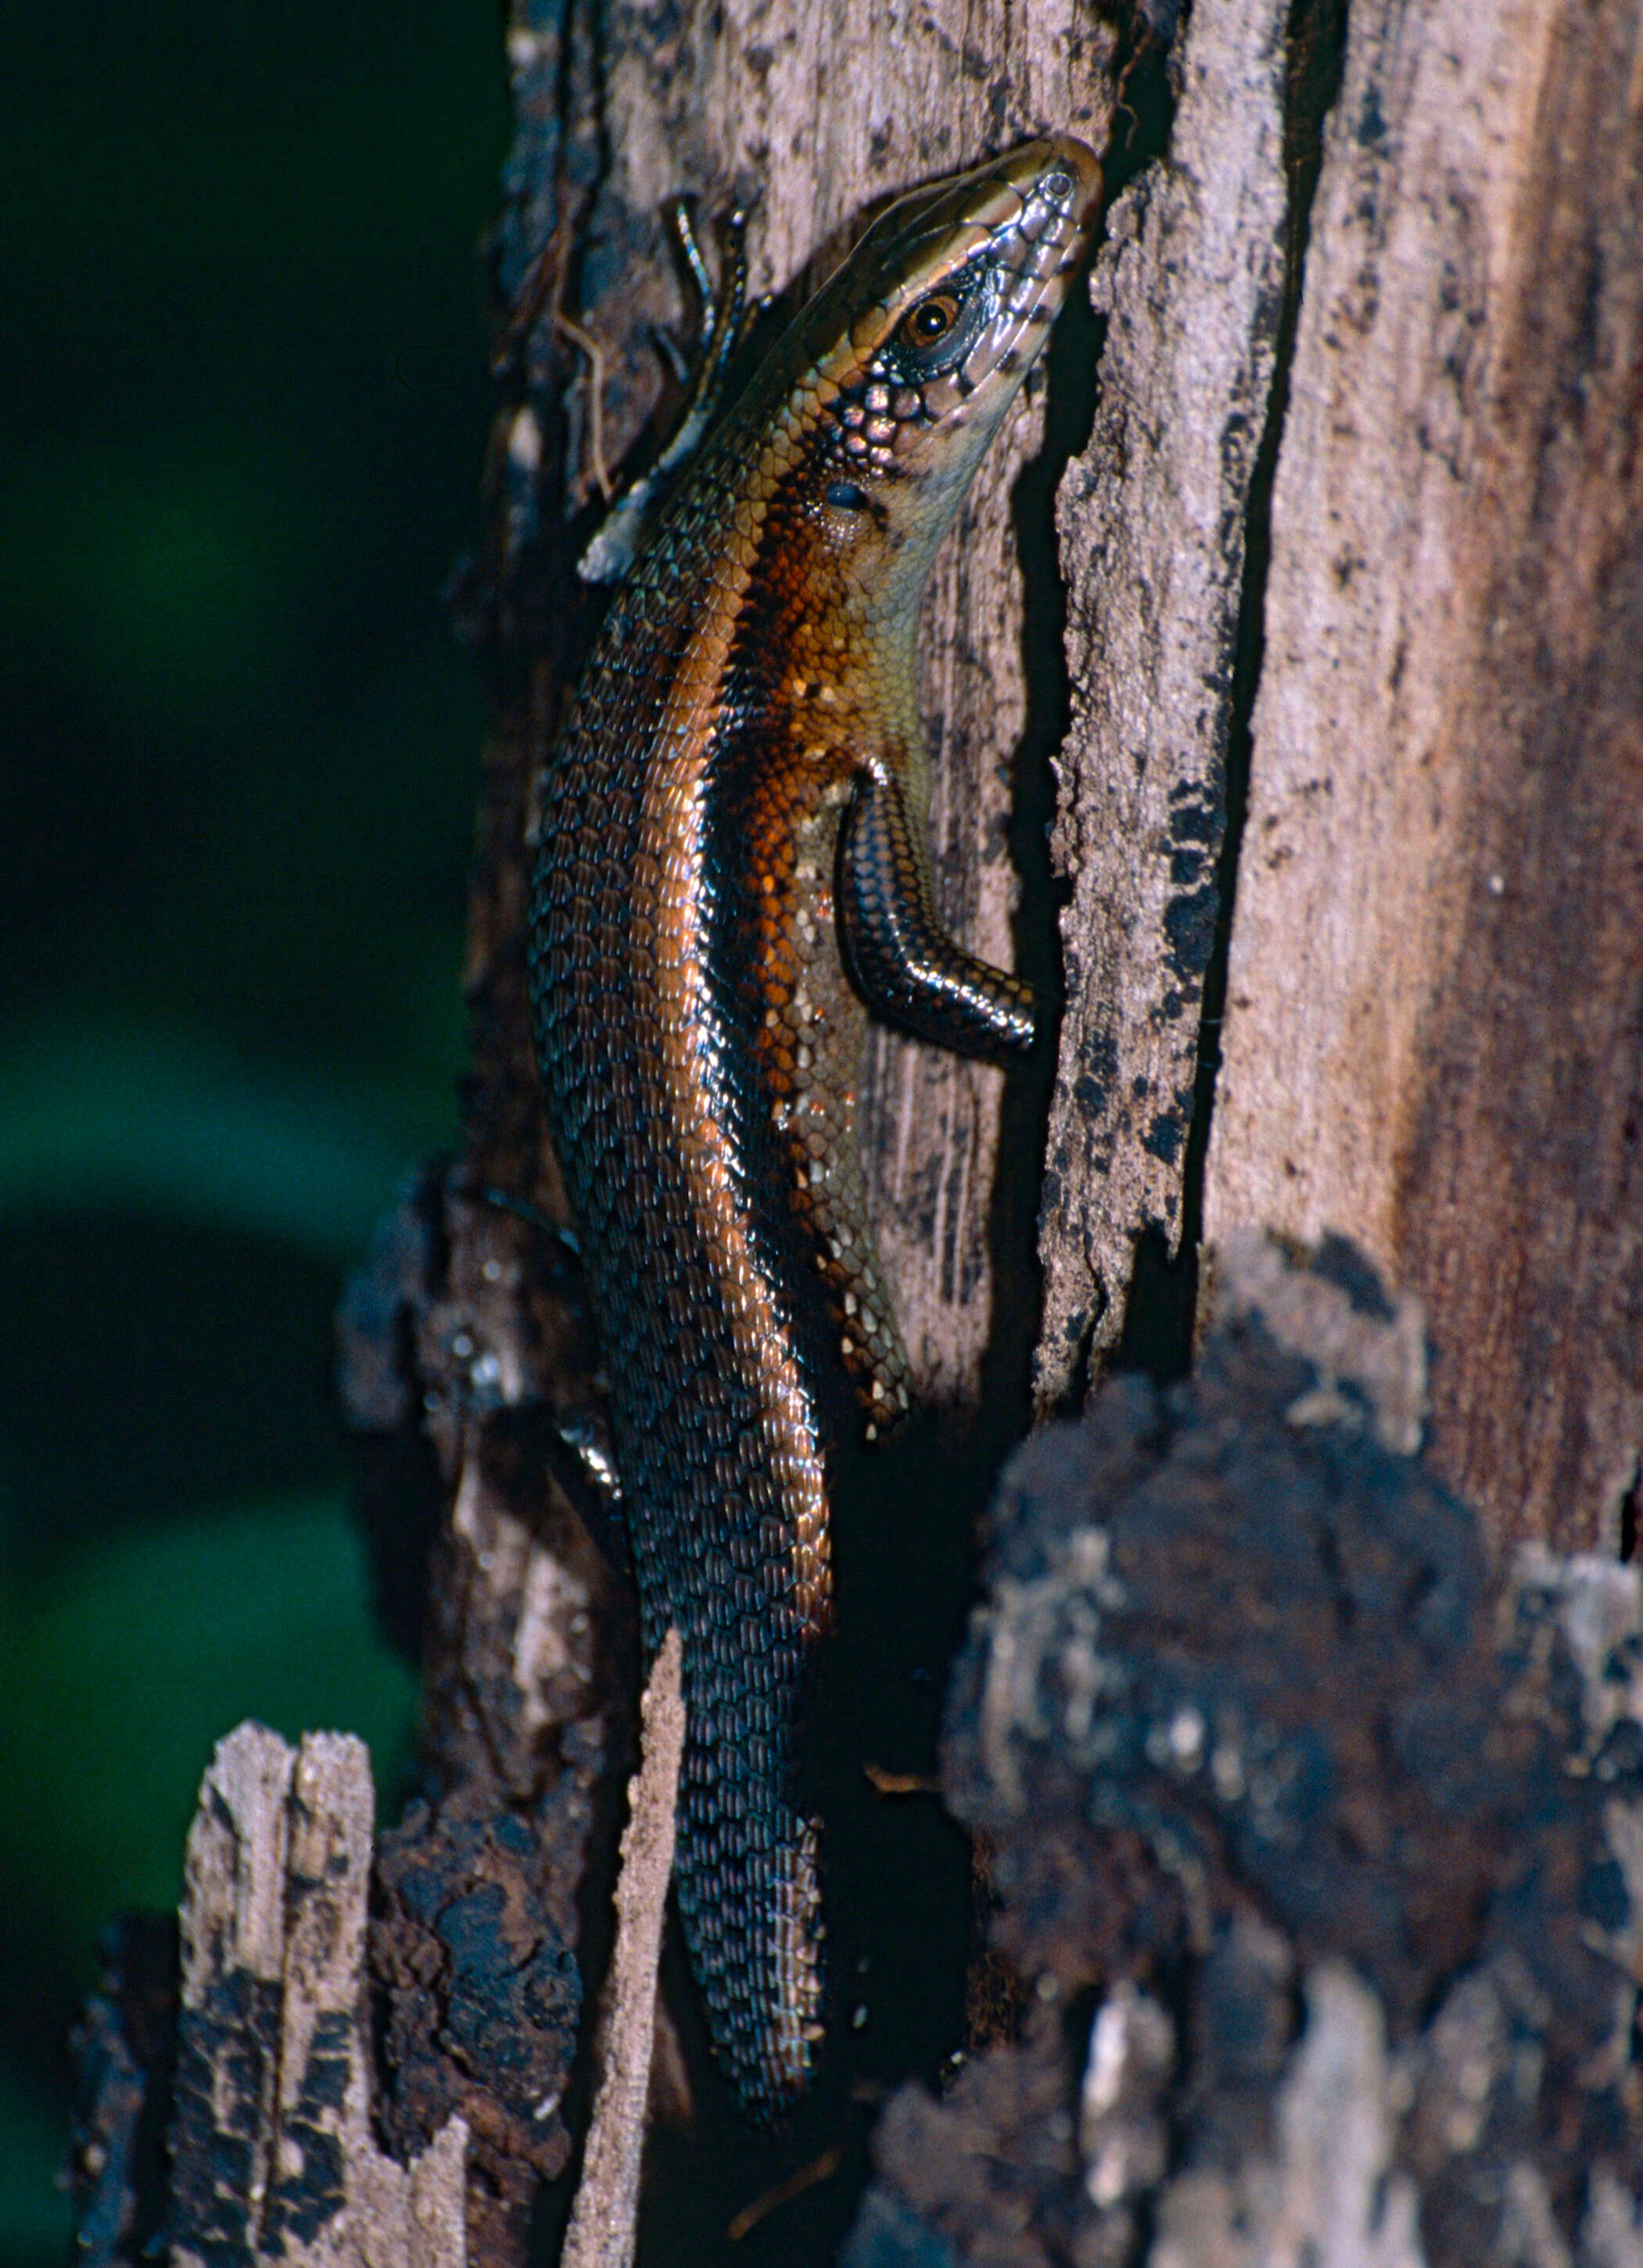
(244,401)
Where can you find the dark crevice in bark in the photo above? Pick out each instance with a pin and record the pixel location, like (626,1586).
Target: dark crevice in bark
(1072,363)
(1072,360)
(1163,1293)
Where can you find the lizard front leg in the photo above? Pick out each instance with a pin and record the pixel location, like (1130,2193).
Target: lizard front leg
(902,961)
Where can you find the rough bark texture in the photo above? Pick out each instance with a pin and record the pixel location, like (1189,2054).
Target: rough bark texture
(125,2056)
(1344,1833)
(273,2157)
(1152,521)
(464,1335)
(1434,1026)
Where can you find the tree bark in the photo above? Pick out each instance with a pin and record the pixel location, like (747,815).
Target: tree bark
(1273,1762)
(1153,520)
(1434,1025)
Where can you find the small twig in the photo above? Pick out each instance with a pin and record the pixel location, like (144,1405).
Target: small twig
(819,2170)
(595,354)
(604,2218)
(539,295)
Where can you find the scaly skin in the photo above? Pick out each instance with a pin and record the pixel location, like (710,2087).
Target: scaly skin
(731,862)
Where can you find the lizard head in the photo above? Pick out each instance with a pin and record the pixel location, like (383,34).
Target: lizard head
(907,360)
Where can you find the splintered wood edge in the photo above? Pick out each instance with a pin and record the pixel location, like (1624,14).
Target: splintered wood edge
(272,2149)
(604,2218)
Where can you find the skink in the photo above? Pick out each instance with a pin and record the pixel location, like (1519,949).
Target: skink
(732,871)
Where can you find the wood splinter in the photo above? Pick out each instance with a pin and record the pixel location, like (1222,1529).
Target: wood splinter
(604,2220)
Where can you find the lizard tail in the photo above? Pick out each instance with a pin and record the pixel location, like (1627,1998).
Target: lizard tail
(746,1875)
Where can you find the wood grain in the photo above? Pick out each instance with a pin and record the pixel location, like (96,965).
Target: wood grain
(604,2220)
(1435,1032)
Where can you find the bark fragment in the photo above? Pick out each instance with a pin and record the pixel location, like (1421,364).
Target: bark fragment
(272,2151)
(604,2222)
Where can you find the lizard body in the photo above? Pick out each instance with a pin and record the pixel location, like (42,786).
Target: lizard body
(730,870)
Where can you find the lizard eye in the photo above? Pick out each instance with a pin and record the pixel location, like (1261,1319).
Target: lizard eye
(928,323)
(937,331)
